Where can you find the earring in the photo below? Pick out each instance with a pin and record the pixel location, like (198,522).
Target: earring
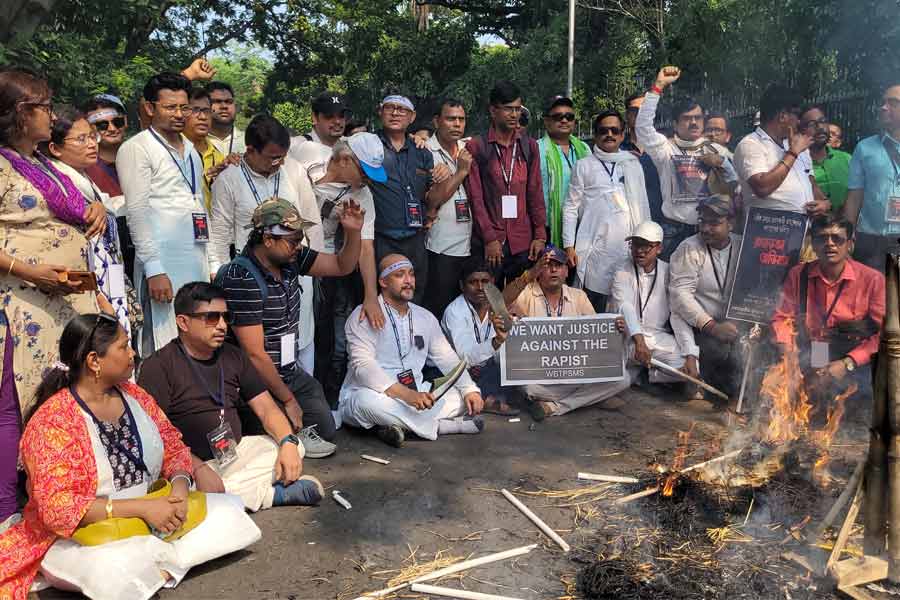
(97,376)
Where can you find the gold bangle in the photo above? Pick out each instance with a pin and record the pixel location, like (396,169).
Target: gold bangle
(109,508)
(11,263)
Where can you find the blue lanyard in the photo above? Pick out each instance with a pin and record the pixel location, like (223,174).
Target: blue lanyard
(475,323)
(137,460)
(389,311)
(253,189)
(192,182)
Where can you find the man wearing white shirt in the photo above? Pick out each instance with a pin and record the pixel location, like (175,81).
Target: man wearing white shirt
(774,162)
(686,163)
(640,292)
(223,133)
(160,174)
(607,199)
(384,387)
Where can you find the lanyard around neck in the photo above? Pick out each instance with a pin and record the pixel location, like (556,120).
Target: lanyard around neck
(390,312)
(475,323)
(138,459)
(837,296)
(559,305)
(192,182)
(720,282)
(249,179)
(507,178)
(610,172)
(640,300)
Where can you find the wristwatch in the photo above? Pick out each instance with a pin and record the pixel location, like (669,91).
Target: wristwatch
(289,439)
(849,364)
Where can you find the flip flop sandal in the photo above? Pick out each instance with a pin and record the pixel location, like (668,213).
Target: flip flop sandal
(497,408)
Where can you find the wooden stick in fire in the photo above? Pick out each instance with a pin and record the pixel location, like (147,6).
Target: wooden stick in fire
(755,332)
(652,490)
(891,336)
(536,520)
(677,373)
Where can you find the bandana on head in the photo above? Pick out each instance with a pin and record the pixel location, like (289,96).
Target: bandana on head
(104,114)
(400,101)
(400,264)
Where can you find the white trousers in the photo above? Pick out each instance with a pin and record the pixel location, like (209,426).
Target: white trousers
(252,474)
(366,408)
(569,396)
(307,358)
(664,348)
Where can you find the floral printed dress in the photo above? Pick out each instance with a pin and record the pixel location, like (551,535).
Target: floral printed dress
(30,233)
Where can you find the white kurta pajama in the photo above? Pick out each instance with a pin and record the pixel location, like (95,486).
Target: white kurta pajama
(375,362)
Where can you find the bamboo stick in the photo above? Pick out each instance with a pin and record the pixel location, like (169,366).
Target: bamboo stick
(652,490)
(374,459)
(875,470)
(891,336)
(609,478)
(451,593)
(838,505)
(637,495)
(673,371)
(537,521)
(751,347)
(844,533)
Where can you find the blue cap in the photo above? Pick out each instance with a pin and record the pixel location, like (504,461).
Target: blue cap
(369,150)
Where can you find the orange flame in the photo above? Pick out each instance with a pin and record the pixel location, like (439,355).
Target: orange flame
(783,385)
(678,463)
(824,437)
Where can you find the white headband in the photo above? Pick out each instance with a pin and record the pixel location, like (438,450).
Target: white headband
(401,100)
(103,114)
(400,264)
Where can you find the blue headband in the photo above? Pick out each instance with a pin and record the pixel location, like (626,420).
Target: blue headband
(401,101)
(400,264)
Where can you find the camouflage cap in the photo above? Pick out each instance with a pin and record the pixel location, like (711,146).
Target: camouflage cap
(277,213)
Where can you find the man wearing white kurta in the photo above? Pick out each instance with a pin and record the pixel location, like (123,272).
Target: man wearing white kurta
(384,387)
(640,292)
(160,174)
(607,199)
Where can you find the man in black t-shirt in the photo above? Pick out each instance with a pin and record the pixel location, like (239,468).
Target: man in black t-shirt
(200,381)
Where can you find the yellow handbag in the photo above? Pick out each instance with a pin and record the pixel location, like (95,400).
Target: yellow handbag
(119,528)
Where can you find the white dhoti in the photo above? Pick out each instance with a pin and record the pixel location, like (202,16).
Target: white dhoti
(252,475)
(366,408)
(569,396)
(663,347)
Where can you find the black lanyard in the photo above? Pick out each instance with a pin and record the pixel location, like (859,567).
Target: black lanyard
(610,172)
(389,311)
(652,286)
(476,323)
(252,186)
(218,398)
(894,155)
(559,306)
(231,140)
(834,302)
(137,460)
(566,156)
(720,282)
(192,182)
(507,179)
(450,161)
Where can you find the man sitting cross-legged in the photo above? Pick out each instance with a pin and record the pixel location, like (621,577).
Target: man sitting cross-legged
(199,381)
(384,387)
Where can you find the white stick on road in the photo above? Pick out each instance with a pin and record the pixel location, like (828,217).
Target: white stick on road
(677,373)
(537,521)
(451,593)
(609,478)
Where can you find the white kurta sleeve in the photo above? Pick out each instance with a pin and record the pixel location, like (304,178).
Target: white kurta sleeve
(221,228)
(685,269)
(623,294)
(441,353)
(572,206)
(363,354)
(655,144)
(135,169)
(459,330)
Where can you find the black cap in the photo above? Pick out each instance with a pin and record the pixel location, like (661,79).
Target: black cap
(329,103)
(557,100)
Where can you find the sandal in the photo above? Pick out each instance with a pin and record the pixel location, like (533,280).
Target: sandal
(539,410)
(494,405)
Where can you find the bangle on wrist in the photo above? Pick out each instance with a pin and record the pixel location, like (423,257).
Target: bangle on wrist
(109,508)
(11,263)
(656,89)
(184,476)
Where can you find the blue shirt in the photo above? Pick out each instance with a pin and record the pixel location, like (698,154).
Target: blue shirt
(872,171)
(409,177)
(568,161)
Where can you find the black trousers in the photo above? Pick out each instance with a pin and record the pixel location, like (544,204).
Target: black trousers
(443,281)
(721,365)
(412,248)
(510,267)
(598,300)
(335,299)
(311,399)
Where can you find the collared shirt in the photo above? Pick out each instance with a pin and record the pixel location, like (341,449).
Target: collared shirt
(374,358)
(231,143)
(211,157)
(863,296)
(697,291)
(471,336)
(486,187)
(832,174)
(447,235)
(105,176)
(409,177)
(279,315)
(872,171)
(532,302)
(644,304)
(758,153)
(150,171)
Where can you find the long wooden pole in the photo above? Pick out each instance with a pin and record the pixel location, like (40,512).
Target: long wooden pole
(673,371)
(876,463)
(891,335)
(838,505)
(536,520)
(452,593)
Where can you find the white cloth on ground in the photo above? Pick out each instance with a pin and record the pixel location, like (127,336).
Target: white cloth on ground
(570,396)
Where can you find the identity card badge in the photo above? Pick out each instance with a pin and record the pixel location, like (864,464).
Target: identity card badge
(406,378)
(288,349)
(201,226)
(413,214)
(509,207)
(115,276)
(462,210)
(892,210)
(819,355)
(223,444)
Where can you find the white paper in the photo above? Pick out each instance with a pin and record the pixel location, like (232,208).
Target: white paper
(115,281)
(288,349)
(818,357)
(510,207)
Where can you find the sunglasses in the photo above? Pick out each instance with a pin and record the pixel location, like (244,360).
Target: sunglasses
(609,131)
(824,238)
(101,318)
(211,318)
(559,117)
(117,122)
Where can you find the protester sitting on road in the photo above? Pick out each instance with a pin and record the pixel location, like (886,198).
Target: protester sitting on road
(199,381)
(94,445)
(700,275)
(262,288)
(384,387)
(640,292)
(541,292)
(477,334)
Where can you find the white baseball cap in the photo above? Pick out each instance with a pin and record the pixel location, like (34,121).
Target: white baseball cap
(648,230)
(369,150)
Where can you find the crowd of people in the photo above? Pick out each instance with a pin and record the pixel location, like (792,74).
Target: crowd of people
(189,310)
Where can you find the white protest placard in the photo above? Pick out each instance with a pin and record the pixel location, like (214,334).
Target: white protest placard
(550,350)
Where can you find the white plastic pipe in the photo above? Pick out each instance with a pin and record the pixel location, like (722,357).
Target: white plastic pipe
(608,478)
(537,521)
(451,593)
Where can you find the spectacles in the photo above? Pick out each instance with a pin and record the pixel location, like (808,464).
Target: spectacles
(394,109)
(558,117)
(291,241)
(892,102)
(211,318)
(47,107)
(84,139)
(117,122)
(643,245)
(175,108)
(200,111)
(511,110)
(814,123)
(835,238)
(609,131)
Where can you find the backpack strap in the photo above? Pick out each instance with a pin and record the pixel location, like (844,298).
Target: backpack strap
(482,156)
(250,267)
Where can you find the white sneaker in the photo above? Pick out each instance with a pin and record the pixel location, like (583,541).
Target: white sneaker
(10,521)
(315,446)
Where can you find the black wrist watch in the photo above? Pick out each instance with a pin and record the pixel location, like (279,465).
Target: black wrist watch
(289,439)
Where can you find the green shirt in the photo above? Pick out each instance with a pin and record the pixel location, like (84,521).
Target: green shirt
(832,174)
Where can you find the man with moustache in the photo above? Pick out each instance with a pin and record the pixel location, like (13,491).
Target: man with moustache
(384,387)
(160,174)
(223,133)
(688,163)
(607,200)
(831,168)
(199,381)
(196,129)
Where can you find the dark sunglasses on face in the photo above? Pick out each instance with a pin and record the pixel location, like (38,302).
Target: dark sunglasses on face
(117,122)
(211,318)
(609,131)
(558,117)
(824,238)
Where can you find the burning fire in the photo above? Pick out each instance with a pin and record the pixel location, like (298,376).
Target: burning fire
(824,437)
(678,464)
(783,385)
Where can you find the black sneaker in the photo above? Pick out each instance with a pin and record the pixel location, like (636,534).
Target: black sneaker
(392,435)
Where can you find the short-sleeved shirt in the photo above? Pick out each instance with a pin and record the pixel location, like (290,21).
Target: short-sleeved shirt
(832,174)
(448,235)
(759,153)
(169,378)
(872,171)
(407,169)
(279,315)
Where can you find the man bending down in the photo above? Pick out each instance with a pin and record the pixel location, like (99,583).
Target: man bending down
(384,386)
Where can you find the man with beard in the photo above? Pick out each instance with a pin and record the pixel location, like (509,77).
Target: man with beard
(384,388)
(690,166)
(831,168)
(607,200)
(450,235)
(700,275)
(160,173)
(541,292)
(223,133)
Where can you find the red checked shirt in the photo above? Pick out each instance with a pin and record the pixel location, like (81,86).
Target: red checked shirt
(485,189)
(863,296)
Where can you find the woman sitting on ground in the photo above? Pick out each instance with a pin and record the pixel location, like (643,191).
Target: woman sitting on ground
(92,447)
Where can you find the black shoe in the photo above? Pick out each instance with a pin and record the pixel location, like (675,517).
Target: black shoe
(392,435)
